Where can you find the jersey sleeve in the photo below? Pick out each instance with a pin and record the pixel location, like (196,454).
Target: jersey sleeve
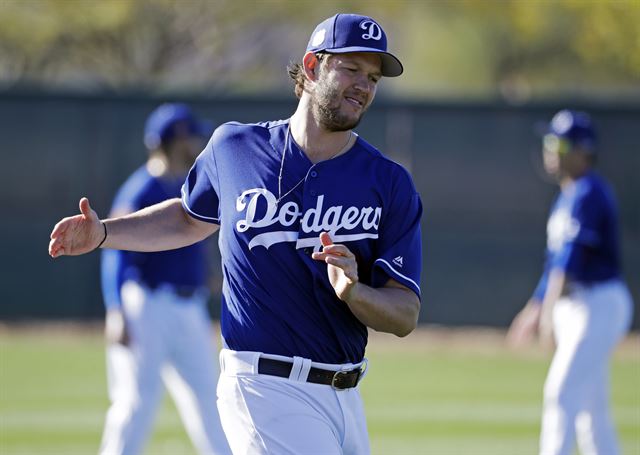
(582,233)
(541,288)
(400,244)
(200,191)
(111,277)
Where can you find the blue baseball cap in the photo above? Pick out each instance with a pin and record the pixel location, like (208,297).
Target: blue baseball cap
(162,124)
(574,126)
(344,33)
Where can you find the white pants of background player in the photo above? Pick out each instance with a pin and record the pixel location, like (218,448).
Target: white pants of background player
(587,325)
(264,414)
(171,342)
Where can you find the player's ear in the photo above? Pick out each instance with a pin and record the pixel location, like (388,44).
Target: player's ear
(311,66)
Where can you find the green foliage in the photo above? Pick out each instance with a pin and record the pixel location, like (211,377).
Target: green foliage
(516,49)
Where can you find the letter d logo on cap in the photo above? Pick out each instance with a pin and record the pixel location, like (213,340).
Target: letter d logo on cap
(373,30)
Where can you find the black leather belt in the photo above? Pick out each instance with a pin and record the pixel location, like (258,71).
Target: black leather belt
(344,379)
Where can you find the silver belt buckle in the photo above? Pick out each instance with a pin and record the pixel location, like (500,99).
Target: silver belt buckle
(336,376)
(361,371)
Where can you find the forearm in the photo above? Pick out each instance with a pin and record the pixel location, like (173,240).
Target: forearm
(555,287)
(164,226)
(389,309)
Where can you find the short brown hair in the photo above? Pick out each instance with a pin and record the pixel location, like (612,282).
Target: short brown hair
(296,72)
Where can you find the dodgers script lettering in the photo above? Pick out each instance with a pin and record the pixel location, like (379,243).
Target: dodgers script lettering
(338,221)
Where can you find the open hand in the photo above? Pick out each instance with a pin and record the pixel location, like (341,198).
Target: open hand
(341,266)
(77,234)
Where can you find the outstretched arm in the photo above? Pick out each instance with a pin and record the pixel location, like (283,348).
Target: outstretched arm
(393,308)
(164,226)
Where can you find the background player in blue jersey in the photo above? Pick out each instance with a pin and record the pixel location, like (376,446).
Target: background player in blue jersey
(158,329)
(581,297)
(319,238)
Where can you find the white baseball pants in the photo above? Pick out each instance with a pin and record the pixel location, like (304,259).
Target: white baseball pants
(587,325)
(171,342)
(264,414)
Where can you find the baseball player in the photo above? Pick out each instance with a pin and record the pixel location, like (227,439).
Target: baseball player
(157,326)
(319,235)
(581,297)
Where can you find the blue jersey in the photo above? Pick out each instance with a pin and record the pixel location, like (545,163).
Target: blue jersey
(183,268)
(276,298)
(582,234)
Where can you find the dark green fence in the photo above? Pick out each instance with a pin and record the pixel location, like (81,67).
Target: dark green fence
(477,167)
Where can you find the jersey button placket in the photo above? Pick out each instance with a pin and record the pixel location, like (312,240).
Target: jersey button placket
(313,174)
(309,201)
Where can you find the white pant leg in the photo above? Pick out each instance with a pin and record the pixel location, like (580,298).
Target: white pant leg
(587,325)
(192,376)
(356,438)
(134,381)
(264,414)
(594,426)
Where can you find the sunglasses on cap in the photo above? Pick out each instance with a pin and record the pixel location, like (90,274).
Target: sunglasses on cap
(556,144)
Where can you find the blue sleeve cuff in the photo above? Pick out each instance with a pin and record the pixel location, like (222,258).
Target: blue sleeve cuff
(388,271)
(541,288)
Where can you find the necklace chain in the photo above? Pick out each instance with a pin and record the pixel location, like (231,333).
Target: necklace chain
(284,152)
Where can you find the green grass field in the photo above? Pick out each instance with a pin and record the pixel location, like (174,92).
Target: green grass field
(435,392)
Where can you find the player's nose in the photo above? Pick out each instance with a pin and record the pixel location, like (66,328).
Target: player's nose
(363,85)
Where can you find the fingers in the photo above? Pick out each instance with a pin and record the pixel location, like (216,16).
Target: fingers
(52,248)
(334,250)
(339,250)
(72,231)
(57,237)
(347,265)
(85,208)
(331,248)
(56,244)
(62,225)
(59,228)
(325,239)
(55,248)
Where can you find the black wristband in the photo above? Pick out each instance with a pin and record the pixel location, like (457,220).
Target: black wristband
(104,225)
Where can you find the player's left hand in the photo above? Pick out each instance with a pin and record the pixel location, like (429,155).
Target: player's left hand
(524,325)
(341,266)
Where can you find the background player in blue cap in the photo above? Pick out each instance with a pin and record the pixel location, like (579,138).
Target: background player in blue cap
(296,305)
(158,329)
(581,297)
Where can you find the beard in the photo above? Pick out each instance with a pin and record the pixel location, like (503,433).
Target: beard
(327,99)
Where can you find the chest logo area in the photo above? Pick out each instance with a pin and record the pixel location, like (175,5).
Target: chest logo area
(291,224)
(561,228)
